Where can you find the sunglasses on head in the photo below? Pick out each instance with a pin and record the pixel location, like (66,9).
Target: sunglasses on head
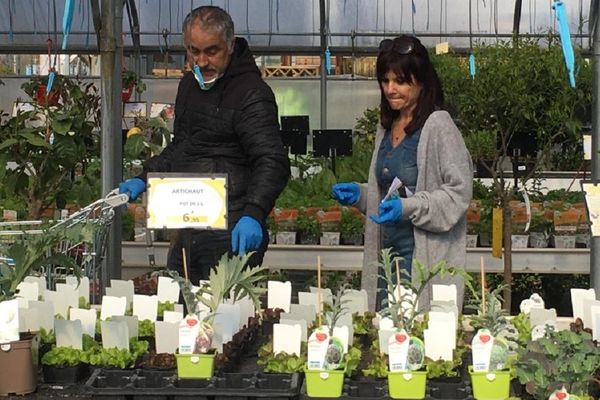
(401,45)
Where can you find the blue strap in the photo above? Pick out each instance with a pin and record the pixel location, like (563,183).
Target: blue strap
(472,68)
(328,60)
(67,21)
(565,39)
(51,76)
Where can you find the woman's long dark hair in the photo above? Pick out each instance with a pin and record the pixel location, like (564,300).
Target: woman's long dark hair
(415,64)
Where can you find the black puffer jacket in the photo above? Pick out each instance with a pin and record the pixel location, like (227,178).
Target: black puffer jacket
(232,128)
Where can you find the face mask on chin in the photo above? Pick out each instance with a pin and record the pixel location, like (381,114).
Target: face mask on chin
(204,85)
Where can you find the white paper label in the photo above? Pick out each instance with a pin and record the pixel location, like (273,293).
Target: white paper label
(279,295)
(398,344)
(482,350)
(286,338)
(9,321)
(188,332)
(317,349)
(168,290)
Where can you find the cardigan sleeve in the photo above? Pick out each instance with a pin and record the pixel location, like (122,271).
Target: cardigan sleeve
(440,205)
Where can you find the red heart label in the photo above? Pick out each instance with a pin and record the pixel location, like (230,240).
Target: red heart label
(484,338)
(561,395)
(191,322)
(400,337)
(321,336)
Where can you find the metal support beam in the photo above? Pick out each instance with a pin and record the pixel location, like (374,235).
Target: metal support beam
(111,46)
(323,32)
(517,17)
(595,244)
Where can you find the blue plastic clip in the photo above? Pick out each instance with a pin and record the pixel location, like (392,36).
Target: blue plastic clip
(472,67)
(51,76)
(67,21)
(328,60)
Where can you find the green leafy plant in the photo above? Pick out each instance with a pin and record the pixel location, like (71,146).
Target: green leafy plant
(351,223)
(30,253)
(540,224)
(561,358)
(165,306)
(131,79)
(440,368)
(146,328)
(68,357)
(401,308)
(308,225)
(282,363)
(119,358)
(378,366)
(49,146)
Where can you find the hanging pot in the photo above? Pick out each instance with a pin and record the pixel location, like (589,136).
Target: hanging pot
(51,100)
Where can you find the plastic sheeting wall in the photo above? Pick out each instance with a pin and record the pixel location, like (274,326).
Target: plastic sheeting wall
(27,22)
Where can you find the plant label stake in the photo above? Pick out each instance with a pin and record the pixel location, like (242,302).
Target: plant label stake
(482,350)
(185,270)
(398,350)
(482,268)
(319,306)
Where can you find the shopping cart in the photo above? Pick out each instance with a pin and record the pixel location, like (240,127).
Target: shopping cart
(89,253)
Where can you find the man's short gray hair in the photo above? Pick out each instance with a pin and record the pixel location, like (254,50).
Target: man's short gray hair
(210,18)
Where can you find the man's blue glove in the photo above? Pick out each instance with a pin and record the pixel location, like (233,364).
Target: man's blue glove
(246,235)
(346,193)
(133,188)
(389,211)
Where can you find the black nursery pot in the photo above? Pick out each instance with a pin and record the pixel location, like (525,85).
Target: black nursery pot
(274,381)
(366,388)
(448,388)
(154,378)
(66,375)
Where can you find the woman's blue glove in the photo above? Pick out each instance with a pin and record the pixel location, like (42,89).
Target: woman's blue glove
(389,211)
(346,193)
(133,188)
(246,235)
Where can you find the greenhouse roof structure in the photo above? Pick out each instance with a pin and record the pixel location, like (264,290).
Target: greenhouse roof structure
(301,26)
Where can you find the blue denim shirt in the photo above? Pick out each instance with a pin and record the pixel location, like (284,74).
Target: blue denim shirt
(400,161)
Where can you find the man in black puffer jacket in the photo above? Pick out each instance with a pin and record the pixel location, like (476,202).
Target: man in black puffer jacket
(225,122)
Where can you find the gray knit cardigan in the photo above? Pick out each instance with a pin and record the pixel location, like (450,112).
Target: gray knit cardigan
(437,209)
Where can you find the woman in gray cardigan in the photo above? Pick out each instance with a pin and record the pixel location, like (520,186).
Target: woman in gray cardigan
(420,145)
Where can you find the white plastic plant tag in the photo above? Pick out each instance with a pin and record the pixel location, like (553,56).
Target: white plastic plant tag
(145,307)
(45,314)
(70,293)
(307,312)
(228,317)
(188,331)
(386,324)
(443,325)
(178,308)
(286,338)
(112,306)
(326,294)
(534,301)
(482,350)
(167,338)
(444,306)
(577,296)
(172,316)
(9,321)
(538,332)
(68,334)
(29,320)
(120,288)
(398,344)
(346,320)
(247,310)
(83,286)
(131,321)
(384,337)
(41,282)
(303,327)
(444,293)
(87,318)
(61,307)
(587,311)
(168,290)
(29,291)
(115,334)
(539,316)
(437,345)
(309,299)
(595,312)
(279,295)
(317,349)
(343,334)
(356,301)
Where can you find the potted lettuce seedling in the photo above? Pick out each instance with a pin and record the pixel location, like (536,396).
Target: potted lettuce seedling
(230,278)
